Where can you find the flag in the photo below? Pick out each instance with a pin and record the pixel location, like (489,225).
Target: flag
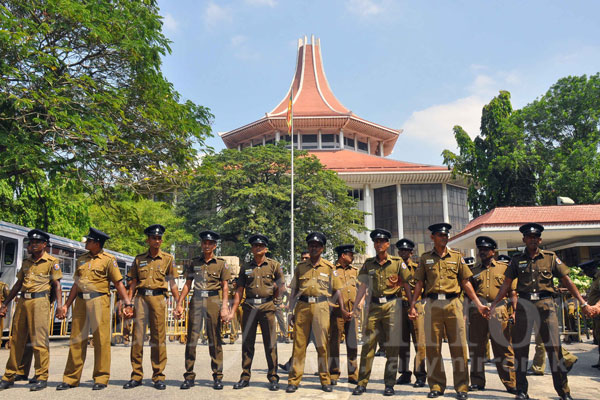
(289,114)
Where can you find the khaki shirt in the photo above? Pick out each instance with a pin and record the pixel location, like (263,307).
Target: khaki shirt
(487,281)
(153,273)
(535,275)
(346,280)
(412,282)
(382,279)
(94,273)
(442,274)
(314,281)
(594,293)
(4,291)
(260,280)
(36,276)
(207,275)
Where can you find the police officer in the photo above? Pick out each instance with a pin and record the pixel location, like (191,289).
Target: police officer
(311,286)
(281,303)
(39,274)
(209,274)
(535,270)
(382,276)
(93,274)
(150,276)
(442,272)
(590,268)
(411,329)
(487,278)
(262,280)
(345,277)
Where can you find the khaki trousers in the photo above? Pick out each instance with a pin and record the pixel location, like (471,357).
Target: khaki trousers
(252,317)
(30,328)
(206,309)
(414,330)
(89,315)
(149,310)
(339,327)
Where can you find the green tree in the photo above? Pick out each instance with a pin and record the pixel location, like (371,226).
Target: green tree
(497,163)
(238,193)
(83,99)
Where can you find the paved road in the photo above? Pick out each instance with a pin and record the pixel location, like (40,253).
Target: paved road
(584,381)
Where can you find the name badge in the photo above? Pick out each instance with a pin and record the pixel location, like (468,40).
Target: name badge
(248,271)
(322,274)
(197,268)
(143,263)
(522,264)
(429,262)
(451,262)
(372,272)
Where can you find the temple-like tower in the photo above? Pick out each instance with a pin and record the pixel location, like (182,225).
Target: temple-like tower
(403,197)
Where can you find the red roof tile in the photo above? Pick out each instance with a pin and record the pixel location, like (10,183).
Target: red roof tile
(352,161)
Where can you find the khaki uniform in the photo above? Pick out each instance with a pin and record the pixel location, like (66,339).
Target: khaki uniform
(538,364)
(25,364)
(31,319)
(206,302)
(91,312)
(412,329)
(4,290)
(486,283)
(260,283)
(346,280)
(152,275)
(442,277)
(536,306)
(314,285)
(593,297)
(384,316)
(232,327)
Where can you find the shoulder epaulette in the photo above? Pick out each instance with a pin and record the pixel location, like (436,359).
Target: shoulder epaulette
(550,253)
(328,263)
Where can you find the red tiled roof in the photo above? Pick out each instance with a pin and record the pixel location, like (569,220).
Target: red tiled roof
(352,161)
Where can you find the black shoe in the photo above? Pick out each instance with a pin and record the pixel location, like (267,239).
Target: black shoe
(241,384)
(98,386)
(419,383)
(20,377)
(64,386)
(188,383)
(333,382)
(474,388)
(352,381)
(159,385)
(570,367)
(566,396)
(39,385)
(434,393)
(285,367)
(291,388)
(532,372)
(521,396)
(6,384)
(359,390)
(32,380)
(388,391)
(326,388)
(217,384)
(273,386)
(404,379)
(131,384)
(512,390)
(462,396)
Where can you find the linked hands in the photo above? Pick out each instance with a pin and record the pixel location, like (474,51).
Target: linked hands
(178,312)
(61,312)
(3,311)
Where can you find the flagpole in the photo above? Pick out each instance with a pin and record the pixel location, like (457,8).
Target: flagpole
(292,185)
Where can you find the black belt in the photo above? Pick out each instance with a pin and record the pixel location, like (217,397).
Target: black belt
(258,300)
(206,293)
(442,296)
(151,292)
(536,296)
(90,295)
(383,299)
(312,299)
(33,295)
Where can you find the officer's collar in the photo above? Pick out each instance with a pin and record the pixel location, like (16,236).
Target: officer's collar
(44,257)
(387,258)
(253,262)
(537,254)
(446,252)
(213,259)
(339,265)
(158,255)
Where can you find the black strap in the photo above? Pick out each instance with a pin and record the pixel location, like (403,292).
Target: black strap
(318,299)
(449,296)
(155,292)
(92,295)
(387,298)
(33,295)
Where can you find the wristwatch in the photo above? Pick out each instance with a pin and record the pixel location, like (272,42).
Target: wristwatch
(584,305)
(129,305)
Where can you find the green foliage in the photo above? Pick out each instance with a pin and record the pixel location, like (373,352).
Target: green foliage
(582,282)
(238,193)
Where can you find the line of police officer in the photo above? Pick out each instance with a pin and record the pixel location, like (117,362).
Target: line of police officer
(391,319)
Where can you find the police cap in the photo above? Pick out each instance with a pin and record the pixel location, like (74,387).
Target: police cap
(97,235)
(405,244)
(531,229)
(504,258)
(316,237)
(155,230)
(209,235)
(38,234)
(485,241)
(470,261)
(344,248)
(441,227)
(380,234)
(258,239)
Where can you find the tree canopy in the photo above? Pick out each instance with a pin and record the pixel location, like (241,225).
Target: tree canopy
(237,193)
(524,157)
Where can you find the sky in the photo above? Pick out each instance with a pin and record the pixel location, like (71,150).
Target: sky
(419,66)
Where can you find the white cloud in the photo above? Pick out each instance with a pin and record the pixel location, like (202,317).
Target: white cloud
(238,40)
(242,50)
(169,23)
(364,8)
(215,15)
(268,3)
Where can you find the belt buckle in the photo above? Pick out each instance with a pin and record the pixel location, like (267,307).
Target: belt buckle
(27,295)
(86,296)
(441,296)
(148,292)
(382,300)
(535,296)
(312,299)
(203,293)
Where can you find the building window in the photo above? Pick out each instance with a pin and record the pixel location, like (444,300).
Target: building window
(288,138)
(257,142)
(348,142)
(357,194)
(330,141)
(386,210)
(363,146)
(458,211)
(309,142)
(421,207)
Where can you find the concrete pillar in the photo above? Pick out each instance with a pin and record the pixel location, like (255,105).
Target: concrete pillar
(277,136)
(239,147)
(355,142)
(341,139)
(319,145)
(299,146)
(445,203)
(369,145)
(369,218)
(399,211)
(264,140)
